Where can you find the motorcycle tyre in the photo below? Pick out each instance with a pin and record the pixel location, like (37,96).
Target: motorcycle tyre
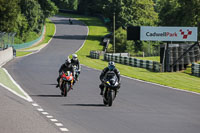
(65,88)
(105,102)
(109,97)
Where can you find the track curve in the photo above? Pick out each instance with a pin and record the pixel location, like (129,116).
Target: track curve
(139,107)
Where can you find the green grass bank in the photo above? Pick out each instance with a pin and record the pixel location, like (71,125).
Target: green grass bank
(97,30)
(50,30)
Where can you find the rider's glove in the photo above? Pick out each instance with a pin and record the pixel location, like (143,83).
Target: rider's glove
(60,73)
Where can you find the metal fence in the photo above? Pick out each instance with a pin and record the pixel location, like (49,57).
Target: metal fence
(150,65)
(6,39)
(196,69)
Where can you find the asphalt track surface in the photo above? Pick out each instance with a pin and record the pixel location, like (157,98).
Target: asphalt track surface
(18,116)
(139,107)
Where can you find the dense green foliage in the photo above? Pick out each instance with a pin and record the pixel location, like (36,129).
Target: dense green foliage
(127,12)
(143,13)
(179,12)
(25,17)
(177,79)
(66,4)
(8,15)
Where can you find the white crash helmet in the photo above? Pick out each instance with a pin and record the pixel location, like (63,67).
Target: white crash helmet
(74,56)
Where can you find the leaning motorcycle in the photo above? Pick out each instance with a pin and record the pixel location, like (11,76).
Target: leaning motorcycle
(66,82)
(111,86)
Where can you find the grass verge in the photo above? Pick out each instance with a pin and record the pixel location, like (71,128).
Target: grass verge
(22,53)
(97,29)
(5,80)
(50,30)
(152,58)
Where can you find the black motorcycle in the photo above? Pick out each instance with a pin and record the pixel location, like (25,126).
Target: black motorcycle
(111,86)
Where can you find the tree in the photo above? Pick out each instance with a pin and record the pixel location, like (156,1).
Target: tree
(48,8)
(9,11)
(178,13)
(139,13)
(32,11)
(67,4)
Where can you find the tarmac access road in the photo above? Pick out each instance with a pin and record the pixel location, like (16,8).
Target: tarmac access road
(139,107)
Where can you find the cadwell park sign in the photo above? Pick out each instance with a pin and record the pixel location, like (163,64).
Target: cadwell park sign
(148,33)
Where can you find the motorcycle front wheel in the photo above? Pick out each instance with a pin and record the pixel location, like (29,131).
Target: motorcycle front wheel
(109,97)
(66,87)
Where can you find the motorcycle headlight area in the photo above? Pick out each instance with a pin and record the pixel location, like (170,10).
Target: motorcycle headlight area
(116,83)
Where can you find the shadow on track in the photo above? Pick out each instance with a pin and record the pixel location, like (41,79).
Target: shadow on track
(46,95)
(85,105)
(49,84)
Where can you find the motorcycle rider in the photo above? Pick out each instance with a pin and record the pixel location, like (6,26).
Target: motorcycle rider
(75,62)
(67,66)
(111,68)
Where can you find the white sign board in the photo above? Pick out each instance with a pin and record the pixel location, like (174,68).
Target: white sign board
(148,33)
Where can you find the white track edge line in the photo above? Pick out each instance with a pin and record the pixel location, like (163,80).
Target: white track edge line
(14,92)
(151,83)
(59,124)
(27,97)
(84,40)
(139,79)
(64,129)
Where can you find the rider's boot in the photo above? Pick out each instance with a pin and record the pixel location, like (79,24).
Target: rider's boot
(58,82)
(101,88)
(101,93)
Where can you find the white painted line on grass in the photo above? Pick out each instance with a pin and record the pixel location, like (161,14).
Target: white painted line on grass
(14,92)
(59,124)
(27,97)
(152,83)
(162,85)
(84,40)
(64,129)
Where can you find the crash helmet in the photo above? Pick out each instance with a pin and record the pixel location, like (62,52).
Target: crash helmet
(74,57)
(67,62)
(111,65)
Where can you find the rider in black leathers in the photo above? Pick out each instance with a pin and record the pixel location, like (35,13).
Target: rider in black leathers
(111,67)
(67,66)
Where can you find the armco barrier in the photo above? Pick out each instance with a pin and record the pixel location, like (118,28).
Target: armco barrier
(6,55)
(196,69)
(95,54)
(150,65)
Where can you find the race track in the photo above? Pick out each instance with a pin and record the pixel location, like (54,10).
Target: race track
(139,108)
